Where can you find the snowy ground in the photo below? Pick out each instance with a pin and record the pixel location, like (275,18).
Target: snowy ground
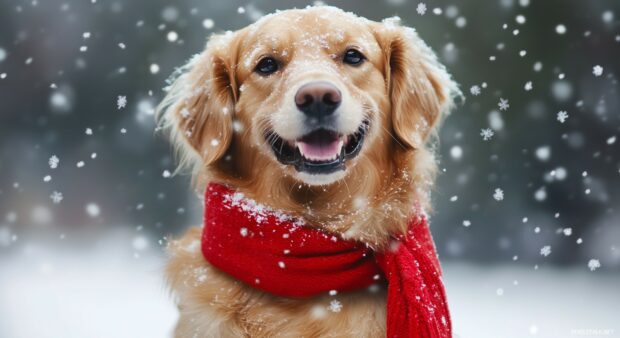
(98,291)
(507,302)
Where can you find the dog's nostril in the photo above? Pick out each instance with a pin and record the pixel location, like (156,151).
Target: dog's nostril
(318,98)
(330,99)
(306,100)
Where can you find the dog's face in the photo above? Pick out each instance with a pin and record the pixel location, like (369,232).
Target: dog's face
(309,94)
(312,88)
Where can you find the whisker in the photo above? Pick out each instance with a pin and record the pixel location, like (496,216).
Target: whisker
(347,186)
(272,140)
(281,146)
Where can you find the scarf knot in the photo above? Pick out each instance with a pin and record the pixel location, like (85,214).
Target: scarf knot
(282,255)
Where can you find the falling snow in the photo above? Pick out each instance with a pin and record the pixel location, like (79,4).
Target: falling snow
(53,162)
(208,23)
(597,70)
(335,306)
(56,197)
(503,104)
(121,102)
(421,8)
(498,195)
(594,264)
(538,155)
(486,134)
(562,116)
(475,90)
(92,210)
(560,29)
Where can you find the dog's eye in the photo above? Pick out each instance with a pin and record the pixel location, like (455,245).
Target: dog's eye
(353,57)
(267,66)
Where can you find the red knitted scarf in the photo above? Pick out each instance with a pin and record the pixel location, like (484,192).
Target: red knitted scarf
(281,255)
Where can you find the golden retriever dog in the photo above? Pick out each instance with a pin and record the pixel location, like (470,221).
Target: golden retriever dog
(322,114)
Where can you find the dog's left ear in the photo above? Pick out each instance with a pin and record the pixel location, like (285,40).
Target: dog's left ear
(421,90)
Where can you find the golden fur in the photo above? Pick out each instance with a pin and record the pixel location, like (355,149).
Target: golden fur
(217,111)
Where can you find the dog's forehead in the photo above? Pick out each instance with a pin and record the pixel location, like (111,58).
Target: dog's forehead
(317,28)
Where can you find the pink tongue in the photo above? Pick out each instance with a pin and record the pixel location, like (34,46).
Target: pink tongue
(320,151)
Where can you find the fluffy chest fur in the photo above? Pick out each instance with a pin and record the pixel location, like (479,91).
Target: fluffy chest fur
(212,304)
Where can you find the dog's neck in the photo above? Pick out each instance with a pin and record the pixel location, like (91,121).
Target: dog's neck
(367,210)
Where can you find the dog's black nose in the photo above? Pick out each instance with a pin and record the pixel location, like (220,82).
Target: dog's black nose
(318,99)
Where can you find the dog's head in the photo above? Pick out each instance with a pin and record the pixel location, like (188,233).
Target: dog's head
(313,95)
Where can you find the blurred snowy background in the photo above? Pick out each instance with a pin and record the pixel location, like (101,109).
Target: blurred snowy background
(527,216)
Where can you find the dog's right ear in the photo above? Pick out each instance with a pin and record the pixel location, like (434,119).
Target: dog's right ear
(198,110)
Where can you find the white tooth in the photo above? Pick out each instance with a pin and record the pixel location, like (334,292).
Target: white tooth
(301,150)
(314,158)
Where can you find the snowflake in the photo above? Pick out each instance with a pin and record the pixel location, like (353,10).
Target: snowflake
(208,23)
(562,116)
(121,102)
(53,162)
(335,306)
(498,194)
(545,250)
(597,70)
(56,197)
(486,134)
(503,104)
(528,86)
(560,29)
(474,90)
(185,113)
(93,210)
(594,264)
(421,9)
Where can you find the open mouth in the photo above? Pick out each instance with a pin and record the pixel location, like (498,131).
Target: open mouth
(321,151)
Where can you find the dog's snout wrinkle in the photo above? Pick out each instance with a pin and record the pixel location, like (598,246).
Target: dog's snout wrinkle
(318,99)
